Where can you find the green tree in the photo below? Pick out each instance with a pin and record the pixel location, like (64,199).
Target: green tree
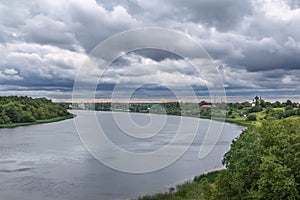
(242,163)
(263,163)
(4,119)
(27,117)
(15,109)
(277,104)
(251,117)
(276,180)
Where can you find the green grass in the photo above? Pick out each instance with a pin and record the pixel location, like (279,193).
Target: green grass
(211,176)
(188,190)
(12,125)
(241,122)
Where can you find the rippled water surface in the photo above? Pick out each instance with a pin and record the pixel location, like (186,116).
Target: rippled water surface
(48,161)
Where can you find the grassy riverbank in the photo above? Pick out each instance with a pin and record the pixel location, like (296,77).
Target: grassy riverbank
(56,119)
(188,190)
(241,122)
(261,164)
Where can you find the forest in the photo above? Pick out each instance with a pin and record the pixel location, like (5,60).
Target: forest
(22,109)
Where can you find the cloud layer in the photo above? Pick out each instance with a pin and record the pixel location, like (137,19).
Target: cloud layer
(256,44)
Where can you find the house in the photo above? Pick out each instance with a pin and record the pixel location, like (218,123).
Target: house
(206,106)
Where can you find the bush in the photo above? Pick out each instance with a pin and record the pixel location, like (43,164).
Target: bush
(255,109)
(251,117)
(4,120)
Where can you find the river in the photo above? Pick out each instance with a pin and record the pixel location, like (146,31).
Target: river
(49,161)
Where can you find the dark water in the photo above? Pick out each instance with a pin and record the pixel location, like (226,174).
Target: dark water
(48,161)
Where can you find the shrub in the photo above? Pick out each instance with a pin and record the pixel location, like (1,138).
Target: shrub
(251,117)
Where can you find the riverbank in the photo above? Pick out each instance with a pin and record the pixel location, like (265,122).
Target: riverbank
(56,119)
(204,186)
(187,190)
(200,184)
(240,122)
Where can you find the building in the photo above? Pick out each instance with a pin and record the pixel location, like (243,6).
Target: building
(206,106)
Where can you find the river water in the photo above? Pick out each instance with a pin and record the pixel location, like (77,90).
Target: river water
(49,161)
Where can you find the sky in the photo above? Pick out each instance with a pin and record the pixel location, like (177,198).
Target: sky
(255,45)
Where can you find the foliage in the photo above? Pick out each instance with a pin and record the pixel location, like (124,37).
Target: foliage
(263,163)
(14,109)
(200,188)
(251,117)
(239,112)
(255,108)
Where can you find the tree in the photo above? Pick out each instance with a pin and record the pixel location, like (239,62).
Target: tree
(256,108)
(256,100)
(251,117)
(15,109)
(277,104)
(4,119)
(242,162)
(276,180)
(27,117)
(262,103)
(263,163)
(289,103)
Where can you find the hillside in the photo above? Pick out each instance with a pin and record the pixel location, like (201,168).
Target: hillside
(23,110)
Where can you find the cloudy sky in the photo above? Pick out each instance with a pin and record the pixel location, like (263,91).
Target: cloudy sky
(254,44)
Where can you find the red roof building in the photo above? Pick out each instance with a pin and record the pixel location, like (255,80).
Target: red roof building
(206,106)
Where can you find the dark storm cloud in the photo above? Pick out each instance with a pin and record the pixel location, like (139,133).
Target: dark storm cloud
(43,43)
(266,54)
(224,15)
(36,82)
(156,54)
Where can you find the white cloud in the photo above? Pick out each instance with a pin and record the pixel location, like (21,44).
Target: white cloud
(10,74)
(10,71)
(257,42)
(279,10)
(290,80)
(41,62)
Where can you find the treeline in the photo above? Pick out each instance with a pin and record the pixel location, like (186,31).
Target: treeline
(170,108)
(263,110)
(263,163)
(257,110)
(20,109)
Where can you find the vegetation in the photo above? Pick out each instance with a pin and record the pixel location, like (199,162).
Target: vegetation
(200,188)
(263,163)
(242,113)
(16,111)
(251,117)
